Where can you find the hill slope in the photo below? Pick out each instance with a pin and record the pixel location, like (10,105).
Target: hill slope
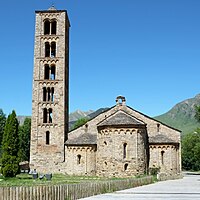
(181,116)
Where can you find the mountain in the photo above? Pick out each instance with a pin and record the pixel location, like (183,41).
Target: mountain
(97,112)
(79,114)
(21,119)
(181,116)
(73,117)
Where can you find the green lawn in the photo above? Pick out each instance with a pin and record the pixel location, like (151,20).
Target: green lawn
(27,180)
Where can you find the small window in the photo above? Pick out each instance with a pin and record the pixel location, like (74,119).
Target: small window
(79,159)
(124,150)
(47,138)
(158,128)
(162,157)
(125,167)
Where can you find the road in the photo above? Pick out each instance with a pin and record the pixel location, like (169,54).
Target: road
(187,188)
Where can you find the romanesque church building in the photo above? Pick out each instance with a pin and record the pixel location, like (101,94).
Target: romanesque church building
(120,142)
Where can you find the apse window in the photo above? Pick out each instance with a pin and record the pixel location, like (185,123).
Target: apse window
(124,150)
(79,159)
(125,167)
(162,157)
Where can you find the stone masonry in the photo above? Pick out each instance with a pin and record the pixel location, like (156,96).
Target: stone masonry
(50,89)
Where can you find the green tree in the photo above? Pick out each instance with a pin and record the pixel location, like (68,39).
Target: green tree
(79,122)
(191,151)
(24,140)
(2,124)
(197,113)
(10,147)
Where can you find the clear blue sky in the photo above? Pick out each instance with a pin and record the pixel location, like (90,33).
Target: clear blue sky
(145,50)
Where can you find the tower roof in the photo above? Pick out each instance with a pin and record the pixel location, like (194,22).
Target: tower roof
(52,7)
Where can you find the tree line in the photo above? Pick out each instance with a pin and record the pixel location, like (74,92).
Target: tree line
(14,143)
(191,147)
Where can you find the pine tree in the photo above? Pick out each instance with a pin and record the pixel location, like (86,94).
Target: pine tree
(2,124)
(24,140)
(10,147)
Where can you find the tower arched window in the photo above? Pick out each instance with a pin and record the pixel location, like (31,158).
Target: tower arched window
(49,72)
(48,94)
(47,115)
(47,137)
(53,72)
(46,72)
(52,94)
(46,27)
(124,150)
(47,49)
(50,27)
(44,93)
(53,49)
(53,27)
(50,115)
(50,49)
(44,115)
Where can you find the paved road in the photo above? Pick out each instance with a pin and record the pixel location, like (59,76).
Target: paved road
(181,189)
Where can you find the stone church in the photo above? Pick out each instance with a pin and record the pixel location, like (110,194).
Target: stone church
(120,142)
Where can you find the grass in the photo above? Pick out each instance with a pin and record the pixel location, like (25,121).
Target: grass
(27,180)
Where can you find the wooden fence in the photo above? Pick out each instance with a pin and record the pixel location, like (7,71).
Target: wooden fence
(69,191)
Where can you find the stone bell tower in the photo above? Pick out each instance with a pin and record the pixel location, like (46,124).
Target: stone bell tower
(50,90)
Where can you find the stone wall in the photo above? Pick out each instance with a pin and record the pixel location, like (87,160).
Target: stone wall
(165,158)
(121,152)
(80,160)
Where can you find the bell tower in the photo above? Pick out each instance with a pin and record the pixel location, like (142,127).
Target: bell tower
(50,89)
